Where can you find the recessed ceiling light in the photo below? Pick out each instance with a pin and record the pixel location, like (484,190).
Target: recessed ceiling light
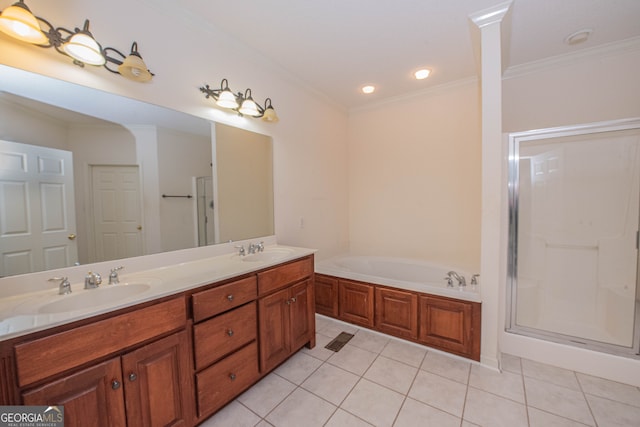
(578,37)
(368,89)
(422,74)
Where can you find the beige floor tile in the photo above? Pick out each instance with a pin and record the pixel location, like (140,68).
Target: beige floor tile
(417,414)
(234,414)
(405,352)
(538,418)
(373,403)
(440,392)
(552,374)
(263,423)
(333,329)
(353,359)
(344,419)
(557,400)
(392,374)
(609,389)
(298,367)
(504,384)
(449,367)
(511,364)
(301,408)
(369,341)
(331,383)
(266,394)
(488,410)
(614,414)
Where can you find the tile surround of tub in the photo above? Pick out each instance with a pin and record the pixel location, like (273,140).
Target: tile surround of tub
(382,381)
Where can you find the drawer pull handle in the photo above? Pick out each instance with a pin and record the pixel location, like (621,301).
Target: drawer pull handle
(232,377)
(230,332)
(288,302)
(230,298)
(115,384)
(132,376)
(294,299)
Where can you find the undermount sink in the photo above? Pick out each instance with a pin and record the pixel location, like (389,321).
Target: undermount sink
(89,298)
(269,255)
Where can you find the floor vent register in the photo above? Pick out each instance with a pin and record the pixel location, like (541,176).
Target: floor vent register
(338,342)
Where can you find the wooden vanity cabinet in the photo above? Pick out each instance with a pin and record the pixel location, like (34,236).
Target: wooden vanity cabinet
(326,295)
(150,385)
(356,303)
(286,312)
(225,343)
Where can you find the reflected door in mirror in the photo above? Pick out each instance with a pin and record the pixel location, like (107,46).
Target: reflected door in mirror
(37,220)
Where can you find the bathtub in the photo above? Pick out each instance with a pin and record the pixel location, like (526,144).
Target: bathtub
(410,274)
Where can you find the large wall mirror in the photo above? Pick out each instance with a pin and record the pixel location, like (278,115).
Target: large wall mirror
(88,176)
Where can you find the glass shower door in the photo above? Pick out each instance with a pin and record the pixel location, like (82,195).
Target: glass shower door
(575,210)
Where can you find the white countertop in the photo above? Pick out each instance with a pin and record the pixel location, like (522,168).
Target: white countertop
(20,312)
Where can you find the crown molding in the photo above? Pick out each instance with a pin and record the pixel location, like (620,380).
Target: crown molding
(609,49)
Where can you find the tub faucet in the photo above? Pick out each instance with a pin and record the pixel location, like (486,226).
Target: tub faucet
(458,277)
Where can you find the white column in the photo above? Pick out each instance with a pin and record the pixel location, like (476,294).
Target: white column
(490,28)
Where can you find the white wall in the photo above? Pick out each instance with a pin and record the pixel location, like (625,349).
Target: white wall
(414,177)
(309,141)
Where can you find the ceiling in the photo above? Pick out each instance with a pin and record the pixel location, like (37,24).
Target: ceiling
(337,46)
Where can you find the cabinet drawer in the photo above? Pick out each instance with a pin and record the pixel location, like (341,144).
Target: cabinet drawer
(57,353)
(226,379)
(223,334)
(284,275)
(222,298)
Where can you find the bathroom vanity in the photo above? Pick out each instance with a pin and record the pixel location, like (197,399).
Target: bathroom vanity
(173,357)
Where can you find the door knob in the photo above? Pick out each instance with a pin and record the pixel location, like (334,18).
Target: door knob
(139,227)
(71,236)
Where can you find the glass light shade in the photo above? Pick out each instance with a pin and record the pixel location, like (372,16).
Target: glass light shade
(82,47)
(270,115)
(18,22)
(227,99)
(134,68)
(249,108)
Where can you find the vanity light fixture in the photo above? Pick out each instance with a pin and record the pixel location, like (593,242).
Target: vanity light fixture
(18,22)
(243,104)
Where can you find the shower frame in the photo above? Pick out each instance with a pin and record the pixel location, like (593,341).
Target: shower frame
(511,326)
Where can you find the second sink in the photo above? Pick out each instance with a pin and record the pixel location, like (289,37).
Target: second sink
(94,297)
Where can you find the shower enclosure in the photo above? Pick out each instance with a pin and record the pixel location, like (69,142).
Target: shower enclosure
(574,207)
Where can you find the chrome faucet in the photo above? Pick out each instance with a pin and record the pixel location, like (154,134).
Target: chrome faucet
(241,250)
(92,280)
(113,275)
(64,287)
(460,278)
(260,247)
(253,248)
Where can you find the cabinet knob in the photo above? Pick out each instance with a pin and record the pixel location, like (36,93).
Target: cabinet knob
(115,384)
(232,377)
(230,332)
(288,302)
(132,376)
(294,299)
(230,298)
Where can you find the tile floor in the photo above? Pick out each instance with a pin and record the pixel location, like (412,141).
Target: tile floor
(380,381)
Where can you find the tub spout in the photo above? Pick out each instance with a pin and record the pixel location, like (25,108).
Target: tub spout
(460,278)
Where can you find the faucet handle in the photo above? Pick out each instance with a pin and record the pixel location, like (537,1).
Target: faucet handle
(260,247)
(474,279)
(449,281)
(65,287)
(241,250)
(113,275)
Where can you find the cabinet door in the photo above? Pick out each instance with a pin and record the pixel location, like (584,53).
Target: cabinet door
(447,324)
(275,342)
(302,316)
(326,295)
(92,396)
(158,383)
(356,303)
(397,312)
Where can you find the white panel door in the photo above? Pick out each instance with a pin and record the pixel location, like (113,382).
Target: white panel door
(37,212)
(117,218)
